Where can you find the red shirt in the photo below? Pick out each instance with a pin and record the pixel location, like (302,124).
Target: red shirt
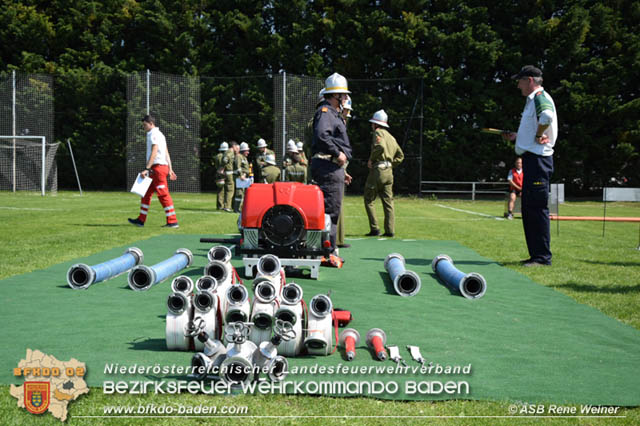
(516,177)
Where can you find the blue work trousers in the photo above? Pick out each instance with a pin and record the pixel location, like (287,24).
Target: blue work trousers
(537,172)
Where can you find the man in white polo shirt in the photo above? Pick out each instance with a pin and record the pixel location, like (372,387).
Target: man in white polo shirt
(158,167)
(535,140)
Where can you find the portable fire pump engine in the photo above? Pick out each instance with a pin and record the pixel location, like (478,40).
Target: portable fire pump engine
(286,219)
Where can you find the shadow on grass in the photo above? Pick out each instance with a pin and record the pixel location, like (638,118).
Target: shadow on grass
(590,288)
(442,283)
(159,345)
(422,262)
(388,284)
(212,210)
(600,262)
(104,225)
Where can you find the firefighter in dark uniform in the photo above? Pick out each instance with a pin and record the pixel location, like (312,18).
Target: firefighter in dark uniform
(218,163)
(331,149)
(385,155)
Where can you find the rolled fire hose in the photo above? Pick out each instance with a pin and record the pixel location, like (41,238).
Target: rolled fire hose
(406,283)
(182,284)
(207,283)
(262,311)
(290,310)
(471,286)
(179,315)
(318,341)
(143,277)
(220,253)
(269,264)
(222,272)
(81,276)
(237,302)
(205,307)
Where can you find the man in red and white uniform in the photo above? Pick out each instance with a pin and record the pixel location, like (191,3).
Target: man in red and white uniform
(158,167)
(515,185)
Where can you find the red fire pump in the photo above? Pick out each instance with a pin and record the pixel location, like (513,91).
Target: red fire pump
(286,219)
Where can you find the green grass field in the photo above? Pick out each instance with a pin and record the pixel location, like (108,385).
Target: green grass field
(602,272)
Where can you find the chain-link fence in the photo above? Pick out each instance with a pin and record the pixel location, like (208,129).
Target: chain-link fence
(294,98)
(26,110)
(175,101)
(196,114)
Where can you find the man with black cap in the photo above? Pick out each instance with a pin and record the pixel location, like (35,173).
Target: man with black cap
(535,140)
(158,167)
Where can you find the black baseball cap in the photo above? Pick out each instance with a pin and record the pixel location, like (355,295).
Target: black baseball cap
(527,71)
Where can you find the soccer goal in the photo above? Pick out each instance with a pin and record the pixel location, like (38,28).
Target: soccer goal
(27,163)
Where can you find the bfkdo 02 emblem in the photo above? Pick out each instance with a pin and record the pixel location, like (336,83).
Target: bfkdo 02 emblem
(36,396)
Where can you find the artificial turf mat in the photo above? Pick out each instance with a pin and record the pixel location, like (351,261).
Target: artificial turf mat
(524,341)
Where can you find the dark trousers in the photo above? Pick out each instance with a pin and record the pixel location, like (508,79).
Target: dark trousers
(535,211)
(330,178)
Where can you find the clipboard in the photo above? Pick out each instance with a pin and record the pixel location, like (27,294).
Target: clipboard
(141,185)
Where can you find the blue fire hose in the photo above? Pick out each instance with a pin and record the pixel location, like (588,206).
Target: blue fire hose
(80,276)
(471,286)
(143,277)
(405,283)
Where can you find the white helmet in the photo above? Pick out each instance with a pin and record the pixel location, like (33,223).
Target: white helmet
(262,143)
(291,146)
(321,95)
(347,106)
(299,146)
(380,117)
(223,146)
(244,146)
(347,103)
(270,159)
(336,83)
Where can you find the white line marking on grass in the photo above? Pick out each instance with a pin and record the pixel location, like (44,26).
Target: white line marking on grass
(34,208)
(470,212)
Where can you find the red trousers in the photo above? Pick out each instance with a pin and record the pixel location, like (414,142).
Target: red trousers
(159,184)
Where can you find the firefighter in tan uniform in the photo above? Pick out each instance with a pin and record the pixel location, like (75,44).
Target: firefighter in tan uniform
(260,162)
(347,107)
(295,171)
(218,163)
(241,172)
(385,155)
(292,147)
(271,172)
(229,183)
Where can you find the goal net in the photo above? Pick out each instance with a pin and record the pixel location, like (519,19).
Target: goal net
(26,126)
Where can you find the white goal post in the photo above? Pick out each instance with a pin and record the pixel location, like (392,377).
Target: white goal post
(13,154)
